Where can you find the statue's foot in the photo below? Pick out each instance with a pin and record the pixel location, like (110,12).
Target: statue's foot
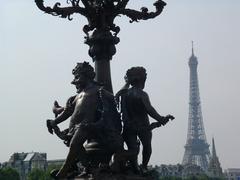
(136,170)
(104,168)
(84,174)
(72,174)
(143,169)
(134,167)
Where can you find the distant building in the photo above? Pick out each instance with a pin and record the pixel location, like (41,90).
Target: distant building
(3,165)
(169,170)
(192,170)
(232,174)
(178,170)
(25,162)
(214,167)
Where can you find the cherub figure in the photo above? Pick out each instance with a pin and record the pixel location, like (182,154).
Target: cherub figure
(135,107)
(93,115)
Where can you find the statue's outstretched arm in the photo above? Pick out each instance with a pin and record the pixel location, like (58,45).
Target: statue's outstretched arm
(62,117)
(52,124)
(151,110)
(57,109)
(67,112)
(153,113)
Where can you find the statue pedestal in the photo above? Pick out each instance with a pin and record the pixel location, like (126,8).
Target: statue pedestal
(121,176)
(116,177)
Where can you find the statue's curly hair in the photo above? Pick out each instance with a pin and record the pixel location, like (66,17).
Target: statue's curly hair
(84,68)
(136,74)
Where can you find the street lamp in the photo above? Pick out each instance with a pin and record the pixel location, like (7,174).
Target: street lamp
(101,32)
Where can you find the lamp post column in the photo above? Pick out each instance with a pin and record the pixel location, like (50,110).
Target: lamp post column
(101,49)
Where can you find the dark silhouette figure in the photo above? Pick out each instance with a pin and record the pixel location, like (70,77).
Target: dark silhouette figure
(135,107)
(93,116)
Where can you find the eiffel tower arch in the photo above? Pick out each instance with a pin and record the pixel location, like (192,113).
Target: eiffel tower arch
(196,148)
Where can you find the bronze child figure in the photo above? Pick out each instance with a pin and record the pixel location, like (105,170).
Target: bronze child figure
(135,107)
(92,116)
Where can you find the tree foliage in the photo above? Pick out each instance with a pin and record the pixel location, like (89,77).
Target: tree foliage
(36,174)
(9,173)
(196,177)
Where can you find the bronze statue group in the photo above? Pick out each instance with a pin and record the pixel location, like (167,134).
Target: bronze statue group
(100,124)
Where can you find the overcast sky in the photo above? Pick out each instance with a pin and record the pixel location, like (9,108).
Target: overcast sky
(38,52)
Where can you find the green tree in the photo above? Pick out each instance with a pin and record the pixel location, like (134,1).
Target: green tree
(171,178)
(37,174)
(9,173)
(199,177)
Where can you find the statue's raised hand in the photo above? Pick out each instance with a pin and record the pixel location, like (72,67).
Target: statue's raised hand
(167,118)
(50,125)
(57,109)
(170,117)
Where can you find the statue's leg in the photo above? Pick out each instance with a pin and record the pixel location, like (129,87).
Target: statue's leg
(146,139)
(76,151)
(131,141)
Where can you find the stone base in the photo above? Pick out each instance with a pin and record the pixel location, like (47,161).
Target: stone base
(110,176)
(104,173)
(116,177)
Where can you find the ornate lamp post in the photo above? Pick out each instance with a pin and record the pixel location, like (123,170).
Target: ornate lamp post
(101,32)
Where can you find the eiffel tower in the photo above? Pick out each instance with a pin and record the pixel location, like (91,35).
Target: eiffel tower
(196,148)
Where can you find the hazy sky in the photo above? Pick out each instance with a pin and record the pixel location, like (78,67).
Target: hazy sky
(38,52)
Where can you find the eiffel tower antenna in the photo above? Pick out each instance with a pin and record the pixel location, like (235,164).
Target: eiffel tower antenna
(192,48)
